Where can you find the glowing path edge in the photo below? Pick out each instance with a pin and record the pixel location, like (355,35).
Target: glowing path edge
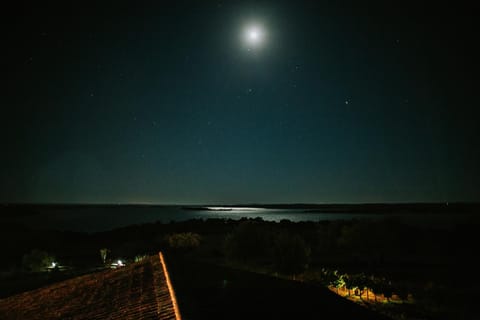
(170,288)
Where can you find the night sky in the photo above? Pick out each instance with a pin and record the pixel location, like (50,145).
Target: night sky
(339,101)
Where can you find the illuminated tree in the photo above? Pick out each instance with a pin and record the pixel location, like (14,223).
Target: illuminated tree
(329,277)
(339,280)
(103,254)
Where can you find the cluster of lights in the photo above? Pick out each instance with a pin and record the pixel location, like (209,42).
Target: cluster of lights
(119,263)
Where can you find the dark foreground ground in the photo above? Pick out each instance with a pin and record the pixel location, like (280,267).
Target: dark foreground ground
(437,267)
(206,291)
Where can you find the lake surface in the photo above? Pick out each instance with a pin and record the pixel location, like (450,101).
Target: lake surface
(94,219)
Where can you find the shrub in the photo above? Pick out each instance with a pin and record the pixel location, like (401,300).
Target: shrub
(184,240)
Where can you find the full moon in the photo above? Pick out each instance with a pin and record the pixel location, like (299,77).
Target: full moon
(254,36)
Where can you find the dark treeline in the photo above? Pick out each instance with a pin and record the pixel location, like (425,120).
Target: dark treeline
(354,242)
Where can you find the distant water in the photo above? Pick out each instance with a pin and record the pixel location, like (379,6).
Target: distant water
(94,219)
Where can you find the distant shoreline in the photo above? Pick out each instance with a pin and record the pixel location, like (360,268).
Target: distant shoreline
(457,207)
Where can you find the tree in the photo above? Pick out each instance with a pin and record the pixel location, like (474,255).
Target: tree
(140,257)
(386,289)
(361,281)
(290,253)
(402,291)
(248,243)
(184,241)
(369,286)
(37,261)
(339,280)
(376,286)
(329,277)
(388,292)
(103,254)
(349,283)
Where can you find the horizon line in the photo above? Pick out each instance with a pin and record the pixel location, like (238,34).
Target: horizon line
(236,204)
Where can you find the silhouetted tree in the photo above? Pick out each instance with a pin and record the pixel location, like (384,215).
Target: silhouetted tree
(184,240)
(386,289)
(290,253)
(37,260)
(249,242)
(349,283)
(402,292)
(376,286)
(359,282)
